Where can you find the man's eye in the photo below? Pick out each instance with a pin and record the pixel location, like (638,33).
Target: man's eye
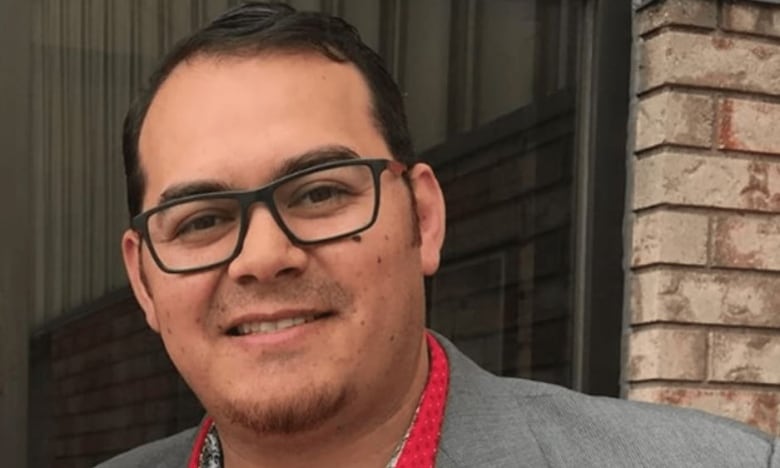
(201,223)
(204,222)
(320,195)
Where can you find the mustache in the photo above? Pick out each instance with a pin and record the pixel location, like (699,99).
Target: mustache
(320,293)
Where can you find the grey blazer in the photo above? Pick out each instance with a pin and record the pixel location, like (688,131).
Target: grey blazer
(500,422)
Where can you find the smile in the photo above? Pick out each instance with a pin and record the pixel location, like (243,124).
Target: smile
(270,326)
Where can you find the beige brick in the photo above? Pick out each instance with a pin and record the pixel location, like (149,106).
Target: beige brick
(746,241)
(760,409)
(675,117)
(676,57)
(677,12)
(685,179)
(749,125)
(751,17)
(670,237)
(706,297)
(745,357)
(650,352)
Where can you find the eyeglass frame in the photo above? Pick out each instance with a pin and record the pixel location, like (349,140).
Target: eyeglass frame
(246,198)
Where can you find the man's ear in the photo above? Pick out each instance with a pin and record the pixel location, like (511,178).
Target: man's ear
(131,253)
(429,202)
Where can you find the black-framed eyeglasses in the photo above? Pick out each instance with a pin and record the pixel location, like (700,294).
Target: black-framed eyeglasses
(318,204)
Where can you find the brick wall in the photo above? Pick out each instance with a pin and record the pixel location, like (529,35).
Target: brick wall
(705,281)
(110,387)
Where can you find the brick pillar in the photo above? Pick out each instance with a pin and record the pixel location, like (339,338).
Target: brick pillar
(705,265)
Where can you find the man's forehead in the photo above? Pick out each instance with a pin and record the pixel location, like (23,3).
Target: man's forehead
(205,104)
(274,81)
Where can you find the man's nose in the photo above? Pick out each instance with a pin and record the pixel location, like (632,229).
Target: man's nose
(267,253)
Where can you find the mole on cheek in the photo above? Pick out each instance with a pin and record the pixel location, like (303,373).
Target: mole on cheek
(356,238)
(379,259)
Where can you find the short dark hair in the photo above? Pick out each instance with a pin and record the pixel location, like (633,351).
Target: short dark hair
(257,27)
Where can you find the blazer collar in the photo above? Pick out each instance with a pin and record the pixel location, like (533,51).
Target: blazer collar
(485,422)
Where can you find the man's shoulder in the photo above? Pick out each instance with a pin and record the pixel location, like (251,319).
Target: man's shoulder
(599,415)
(655,435)
(171,452)
(500,421)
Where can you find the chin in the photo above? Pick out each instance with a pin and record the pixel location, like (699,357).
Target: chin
(296,412)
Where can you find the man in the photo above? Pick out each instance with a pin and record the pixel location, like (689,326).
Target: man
(281,231)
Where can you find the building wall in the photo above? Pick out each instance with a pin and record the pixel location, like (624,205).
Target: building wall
(705,211)
(503,292)
(102,384)
(15,270)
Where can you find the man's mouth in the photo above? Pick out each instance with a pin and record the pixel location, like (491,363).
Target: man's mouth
(270,326)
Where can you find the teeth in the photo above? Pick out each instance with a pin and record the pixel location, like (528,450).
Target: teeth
(285,323)
(267,327)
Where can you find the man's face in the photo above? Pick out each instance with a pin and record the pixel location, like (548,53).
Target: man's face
(239,123)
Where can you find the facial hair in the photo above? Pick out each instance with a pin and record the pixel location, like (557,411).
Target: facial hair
(291,412)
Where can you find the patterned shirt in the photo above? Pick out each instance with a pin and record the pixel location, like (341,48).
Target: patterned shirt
(416,449)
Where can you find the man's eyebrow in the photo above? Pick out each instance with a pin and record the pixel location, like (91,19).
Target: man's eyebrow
(314,157)
(186,189)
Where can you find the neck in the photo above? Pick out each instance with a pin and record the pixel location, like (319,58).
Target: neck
(365,434)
